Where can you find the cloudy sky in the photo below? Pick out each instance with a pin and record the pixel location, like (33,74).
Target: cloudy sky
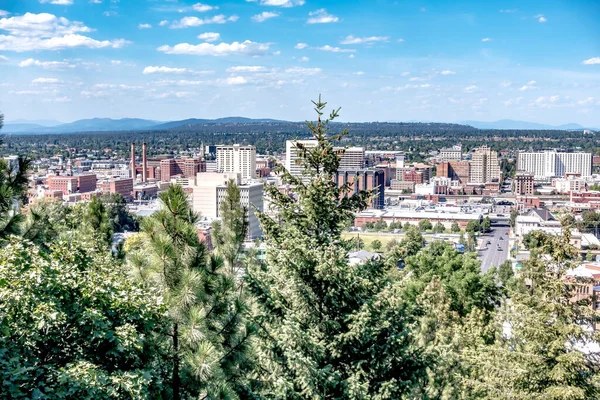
(377,59)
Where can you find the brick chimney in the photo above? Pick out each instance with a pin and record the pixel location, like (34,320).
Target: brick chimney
(132,162)
(144,163)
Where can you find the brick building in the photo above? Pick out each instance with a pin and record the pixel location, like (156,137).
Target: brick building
(523,183)
(186,167)
(365,179)
(123,186)
(455,170)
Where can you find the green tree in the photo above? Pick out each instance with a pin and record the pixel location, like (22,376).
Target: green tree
(439,228)
(74,327)
(513,217)
(369,225)
(116,209)
(540,355)
(380,226)
(391,244)
(425,225)
(327,329)
(229,234)
(486,224)
(376,245)
(209,336)
(455,228)
(505,272)
(473,226)
(98,219)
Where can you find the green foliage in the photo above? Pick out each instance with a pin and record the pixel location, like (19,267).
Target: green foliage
(229,234)
(590,222)
(439,228)
(13,188)
(513,217)
(74,327)
(327,329)
(380,226)
(473,226)
(209,336)
(376,245)
(486,224)
(540,356)
(455,228)
(425,225)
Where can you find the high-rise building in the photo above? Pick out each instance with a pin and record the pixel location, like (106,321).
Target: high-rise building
(453,153)
(365,179)
(237,159)
(292,161)
(186,167)
(485,167)
(210,189)
(353,158)
(523,183)
(455,170)
(545,165)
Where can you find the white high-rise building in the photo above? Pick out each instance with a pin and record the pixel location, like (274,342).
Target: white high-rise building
(545,165)
(237,159)
(353,159)
(210,189)
(485,166)
(292,161)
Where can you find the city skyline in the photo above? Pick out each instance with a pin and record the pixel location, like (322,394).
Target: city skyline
(379,61)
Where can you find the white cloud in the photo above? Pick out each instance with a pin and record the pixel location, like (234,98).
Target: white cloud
(247,47)
(301,46)
(589,100)
(320,16)
(400,40)
(235,80)
(304,59)
(58,2)
(53,81)
(303,71)
(246,68)
(416,79)
(505,84)
(115,62)
(486,39)
(110,13)
(199,7)
(514,101)
(187,22)
(529,85)
(351,56)
(405,74)
(56,65)
(335,49)
(360,40)
(96,1)
(144,26)
(509,11)
(170,70)
(470,89)
(592,61)
(30,32)
(4,13)
(63,99)
(359,73)
(209,36)
(265,15)
(3,58)
(281,3)
(164,22)
(540,18)
(446,72)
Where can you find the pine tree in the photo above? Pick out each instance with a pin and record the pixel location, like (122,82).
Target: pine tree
(209,338)
(327,329)
(541,334)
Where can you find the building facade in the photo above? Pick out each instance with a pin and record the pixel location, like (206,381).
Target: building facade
(366,179)
(353,159)
(292,161)
(453,153)
(485,166)
(237,159)
(455,170)
(550,164)
(523,184)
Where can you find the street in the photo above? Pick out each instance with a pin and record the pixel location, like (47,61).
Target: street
(492,257)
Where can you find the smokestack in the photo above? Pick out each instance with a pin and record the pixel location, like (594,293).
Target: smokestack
(144,163)
(133,160)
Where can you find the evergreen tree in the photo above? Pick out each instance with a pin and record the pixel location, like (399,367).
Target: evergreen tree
(229,234)
(209,337)
(541,335)
(425,225)
(455,228)
(327,329)
(376,245)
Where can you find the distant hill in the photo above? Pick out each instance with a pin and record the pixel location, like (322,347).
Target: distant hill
(512,124)
(226,120)
(84,125)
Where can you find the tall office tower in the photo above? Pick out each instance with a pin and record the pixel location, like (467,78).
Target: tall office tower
(353,158)
(237,159)
(292,161)
(455,170)
(210,189)
(485,167)
(549,164)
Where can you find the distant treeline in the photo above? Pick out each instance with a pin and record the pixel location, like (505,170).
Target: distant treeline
(269,138)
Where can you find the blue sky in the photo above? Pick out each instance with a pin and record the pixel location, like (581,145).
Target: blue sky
(379,60)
